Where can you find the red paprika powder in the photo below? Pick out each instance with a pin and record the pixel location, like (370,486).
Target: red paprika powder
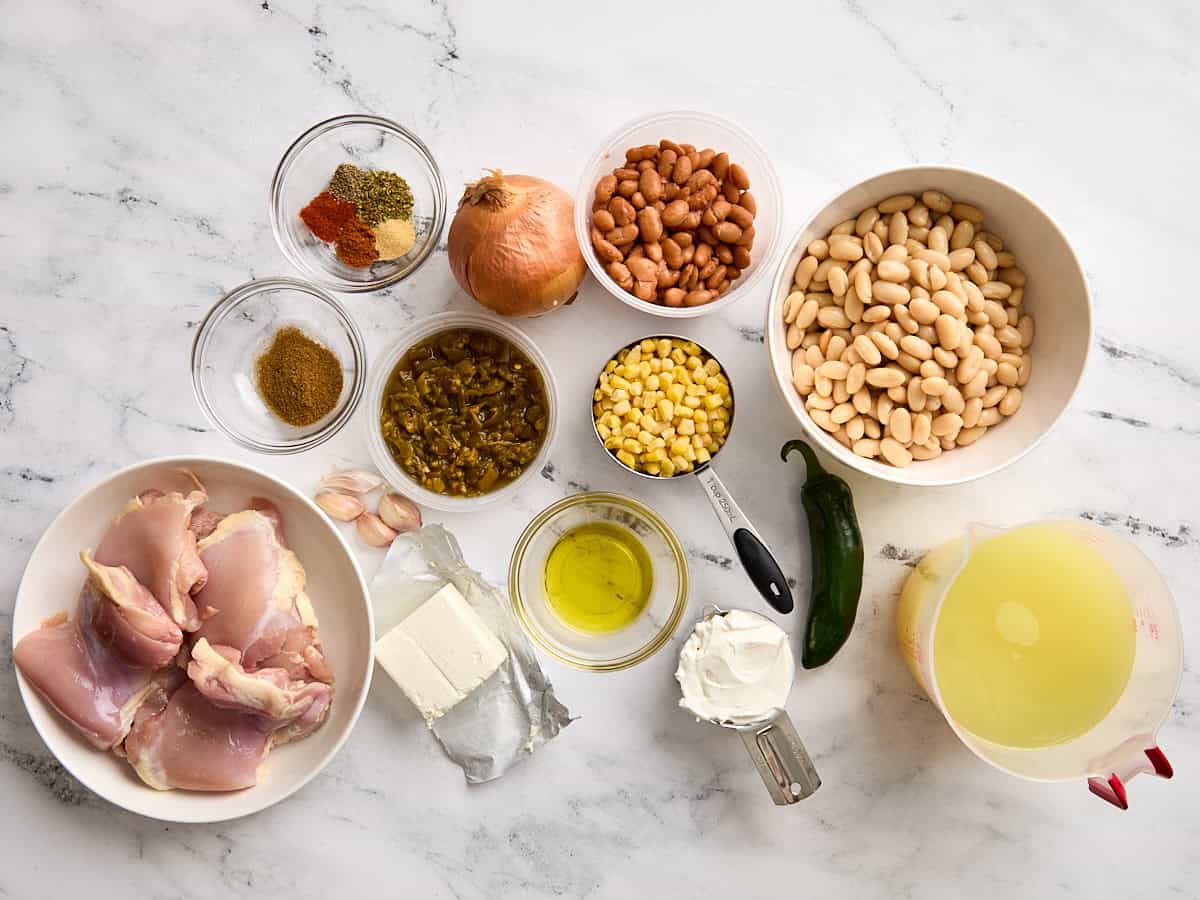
(326,215)
(356,244)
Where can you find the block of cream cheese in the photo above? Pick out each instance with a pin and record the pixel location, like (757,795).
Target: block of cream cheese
(440,653)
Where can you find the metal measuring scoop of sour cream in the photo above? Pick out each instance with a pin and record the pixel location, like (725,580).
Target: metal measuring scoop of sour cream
(735,667)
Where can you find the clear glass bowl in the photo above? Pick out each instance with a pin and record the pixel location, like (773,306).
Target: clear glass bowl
(599,652)
(703,130)
(239,329)
(381,372)
(368,142)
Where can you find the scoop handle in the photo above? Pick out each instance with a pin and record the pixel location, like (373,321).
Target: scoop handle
(752,551)
(781,760)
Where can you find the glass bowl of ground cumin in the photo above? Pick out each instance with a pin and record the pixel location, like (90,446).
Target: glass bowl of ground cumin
(278,365)
(302,184)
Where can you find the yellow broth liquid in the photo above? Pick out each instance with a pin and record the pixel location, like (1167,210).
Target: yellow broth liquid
(1035,639)
(598,577)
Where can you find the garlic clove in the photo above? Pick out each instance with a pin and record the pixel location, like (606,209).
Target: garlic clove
(340,506)
(374,531)
(399,513)
(351,481)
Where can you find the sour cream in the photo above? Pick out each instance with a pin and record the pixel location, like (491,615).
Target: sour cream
(735,667)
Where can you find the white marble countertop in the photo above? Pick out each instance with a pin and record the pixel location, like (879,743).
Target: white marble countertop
(138,145)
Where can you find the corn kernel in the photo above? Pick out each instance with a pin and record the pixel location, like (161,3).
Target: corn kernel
(693,363)
(629,429)
(631,445)
(603,430)
(665,378)
(714,401)
(610,365)
(613,421)
(683,412)
(667,468)
(701,428)
(668,433)
(653,456)
(717,427)
(702,455)
(689,453)
(597,394)
(621,408)
(712,367)
(620,394)
(643,369)
(678,445)
(645,438)
(606,389)
(626,457)
(619,381)
(652,382)
(613,442)
(656,365)
(678,355)
(657,443)
(634,415)
(666,410)
(681,464)
(697,441)
(647,345)
(663,348)
(675,393)
(691,402)
(633,357)
(700,415)
(687,426)
(710,383)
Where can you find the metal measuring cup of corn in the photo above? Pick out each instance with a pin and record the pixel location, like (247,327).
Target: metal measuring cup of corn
(736,670)
(662,408)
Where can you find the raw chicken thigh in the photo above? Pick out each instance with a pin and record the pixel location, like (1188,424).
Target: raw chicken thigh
(151,537)
(300,706)
(130,619)
(91,683)
(202,713)
(254,598)
(180,740)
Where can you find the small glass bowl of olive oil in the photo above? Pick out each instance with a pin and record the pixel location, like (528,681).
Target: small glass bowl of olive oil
(599,581)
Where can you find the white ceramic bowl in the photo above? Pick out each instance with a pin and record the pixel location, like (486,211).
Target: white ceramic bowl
(1057,297)
(703,130)
(339,596)
(381,371)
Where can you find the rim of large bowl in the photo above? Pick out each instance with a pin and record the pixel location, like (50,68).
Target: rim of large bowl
(869,467)
(661,637)
(383,371)
(283,237)
(217,315)
(583,206)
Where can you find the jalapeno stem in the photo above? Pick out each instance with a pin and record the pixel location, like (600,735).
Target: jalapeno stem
(810,458)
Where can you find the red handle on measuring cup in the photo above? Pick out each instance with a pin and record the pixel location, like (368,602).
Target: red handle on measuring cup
(1113,789)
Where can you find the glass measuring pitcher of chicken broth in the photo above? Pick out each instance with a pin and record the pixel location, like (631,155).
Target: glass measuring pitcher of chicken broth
(1053,649)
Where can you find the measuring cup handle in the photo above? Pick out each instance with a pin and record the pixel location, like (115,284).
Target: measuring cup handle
(781,760)
(1113,788)
(752,551)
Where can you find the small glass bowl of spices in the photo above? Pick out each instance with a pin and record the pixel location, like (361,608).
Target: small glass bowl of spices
(463,411)
(278,365)
(357,203)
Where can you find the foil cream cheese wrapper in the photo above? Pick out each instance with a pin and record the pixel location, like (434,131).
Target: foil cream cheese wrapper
(512,713)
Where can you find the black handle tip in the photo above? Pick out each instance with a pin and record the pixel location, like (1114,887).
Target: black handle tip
(760,565)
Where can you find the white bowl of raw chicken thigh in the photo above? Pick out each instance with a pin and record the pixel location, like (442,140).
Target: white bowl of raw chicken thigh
(269,696)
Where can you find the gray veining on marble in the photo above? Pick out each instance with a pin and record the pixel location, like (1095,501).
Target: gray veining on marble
(137,143)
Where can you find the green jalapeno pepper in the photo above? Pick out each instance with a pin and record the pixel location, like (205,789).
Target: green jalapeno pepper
(837,558)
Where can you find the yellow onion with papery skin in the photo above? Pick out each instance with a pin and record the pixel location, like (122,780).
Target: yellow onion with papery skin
(512,245)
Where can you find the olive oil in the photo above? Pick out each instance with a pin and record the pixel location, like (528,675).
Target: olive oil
(1035,639)
(598,577)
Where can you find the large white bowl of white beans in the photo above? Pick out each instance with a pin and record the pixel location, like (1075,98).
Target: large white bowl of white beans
(929,325)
